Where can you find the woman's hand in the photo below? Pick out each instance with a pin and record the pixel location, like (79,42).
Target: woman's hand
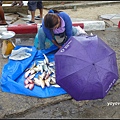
(55,43)
(59,46)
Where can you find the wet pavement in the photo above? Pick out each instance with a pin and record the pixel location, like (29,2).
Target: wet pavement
(64,106)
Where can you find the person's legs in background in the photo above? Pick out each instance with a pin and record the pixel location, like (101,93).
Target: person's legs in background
(41,12)
(32,6)
(2,17)
(32,16)
(40,7)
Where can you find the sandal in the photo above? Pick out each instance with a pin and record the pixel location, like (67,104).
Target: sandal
(38,18)
(30,22)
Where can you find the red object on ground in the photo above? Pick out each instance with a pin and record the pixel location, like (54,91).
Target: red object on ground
(31,28)
(78,24)
(119,24)
(23,28)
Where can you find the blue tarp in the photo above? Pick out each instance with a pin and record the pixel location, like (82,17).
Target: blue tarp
(12,77)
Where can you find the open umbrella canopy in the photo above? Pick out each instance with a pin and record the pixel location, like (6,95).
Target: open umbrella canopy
(86,67)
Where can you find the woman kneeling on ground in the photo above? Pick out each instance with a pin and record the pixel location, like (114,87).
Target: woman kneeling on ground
(57,27)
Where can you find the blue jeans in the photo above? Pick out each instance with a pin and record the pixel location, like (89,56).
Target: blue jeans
(42,42)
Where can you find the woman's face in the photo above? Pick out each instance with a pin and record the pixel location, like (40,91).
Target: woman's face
(58,24)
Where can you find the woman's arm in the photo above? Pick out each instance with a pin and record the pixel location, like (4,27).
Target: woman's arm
(55,43)
(68,24)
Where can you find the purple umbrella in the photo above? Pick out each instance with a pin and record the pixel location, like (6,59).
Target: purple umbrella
(86,67)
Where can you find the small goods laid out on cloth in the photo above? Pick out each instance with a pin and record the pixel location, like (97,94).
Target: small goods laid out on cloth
(41,74)
(33,75)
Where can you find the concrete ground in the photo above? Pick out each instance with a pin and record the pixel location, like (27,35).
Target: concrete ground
(64,106)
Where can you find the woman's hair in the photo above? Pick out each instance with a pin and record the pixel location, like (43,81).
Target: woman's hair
(56,11)
(50,20)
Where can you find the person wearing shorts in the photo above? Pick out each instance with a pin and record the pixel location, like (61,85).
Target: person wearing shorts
(32,6)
